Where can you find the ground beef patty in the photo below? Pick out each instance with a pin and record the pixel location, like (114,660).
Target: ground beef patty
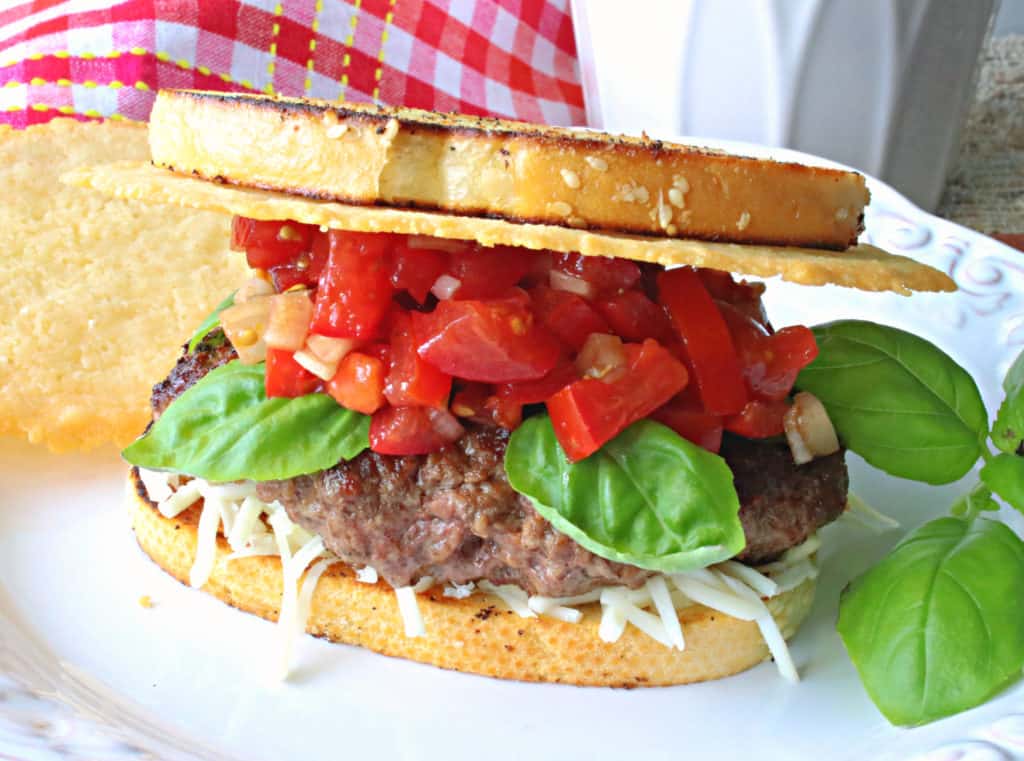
(452,514)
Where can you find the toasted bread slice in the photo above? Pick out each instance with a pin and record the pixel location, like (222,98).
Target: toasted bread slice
(478,634)
(863,266)
(507,170)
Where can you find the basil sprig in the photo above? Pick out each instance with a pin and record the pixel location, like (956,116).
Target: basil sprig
(224,428)
(897,400)
(648,497)
(937,626)
(212,320)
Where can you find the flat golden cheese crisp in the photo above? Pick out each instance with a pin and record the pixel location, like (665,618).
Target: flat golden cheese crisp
(99,294)
(863,267)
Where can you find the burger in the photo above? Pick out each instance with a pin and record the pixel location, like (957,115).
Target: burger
(493,398)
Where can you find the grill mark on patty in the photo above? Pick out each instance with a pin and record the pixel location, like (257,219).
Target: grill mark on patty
(452,514)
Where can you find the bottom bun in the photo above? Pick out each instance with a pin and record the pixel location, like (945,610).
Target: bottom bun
(478,634)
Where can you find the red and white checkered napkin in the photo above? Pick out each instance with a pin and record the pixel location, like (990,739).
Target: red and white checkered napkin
(511,58)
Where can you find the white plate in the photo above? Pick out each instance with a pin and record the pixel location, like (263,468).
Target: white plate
(87,673)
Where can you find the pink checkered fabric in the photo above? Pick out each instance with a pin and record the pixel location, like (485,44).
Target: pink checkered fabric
(84,58)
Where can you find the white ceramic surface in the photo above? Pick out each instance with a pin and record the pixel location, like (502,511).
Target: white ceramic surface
(88,673)
(881,85)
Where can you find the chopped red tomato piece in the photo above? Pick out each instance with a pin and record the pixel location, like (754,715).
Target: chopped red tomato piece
(415,270)
(686,418)
(567,315)
(589,412)
(494,341)
(476,402)
(705,334)
(759,419)
(286,377)
(412,430)
(635,317)
(269,244)
(488,272)
(606,274)
(359,383)
(771,361)
(411,380)
(355,290)
(536,391)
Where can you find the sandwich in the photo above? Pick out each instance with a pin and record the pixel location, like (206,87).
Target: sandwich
(498,397)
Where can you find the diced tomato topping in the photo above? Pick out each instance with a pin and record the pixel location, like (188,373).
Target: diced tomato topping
(476,402)
(412,430)
(589,412)
(359,383)
(494,341)
(410,379)
(771,361)
(759,419)
(686,418)
(705,334)
(488,272)
(286,377)
(606,274)
(567,315)
(354,292)
(635,317)
(415,270)
(536,391)
(269,244)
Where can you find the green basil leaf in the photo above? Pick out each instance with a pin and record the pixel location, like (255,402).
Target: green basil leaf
(897,400)
(1004,474)
(937,627)
(1008,431)
(648,497)
(212,320)
(224,428)
(979,499)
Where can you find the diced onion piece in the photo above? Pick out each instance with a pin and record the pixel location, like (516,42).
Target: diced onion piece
(330,350)
(245,325)
(546,606)
(437,244)
(562,281)
(319,368)
(254,288)
(777,647)
(601,357)
(409,608)
(288,324)
(445,287)
(445,423)
(808,429)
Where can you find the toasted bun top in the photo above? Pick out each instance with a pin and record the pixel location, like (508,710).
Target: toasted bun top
(407,158)
(864,267)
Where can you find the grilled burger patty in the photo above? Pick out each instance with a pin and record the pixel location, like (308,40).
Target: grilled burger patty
(452,515)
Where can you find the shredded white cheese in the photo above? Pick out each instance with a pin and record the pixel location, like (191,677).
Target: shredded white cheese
(868,516)
(730,587)
(409,608)
(459,591)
